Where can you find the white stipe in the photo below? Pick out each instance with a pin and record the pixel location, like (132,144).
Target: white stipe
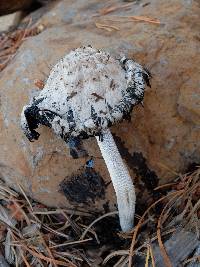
(121,180)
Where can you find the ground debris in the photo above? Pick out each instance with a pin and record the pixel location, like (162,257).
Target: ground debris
(105,22)
(11,41)
(178,247)
(111,8)
(35,235)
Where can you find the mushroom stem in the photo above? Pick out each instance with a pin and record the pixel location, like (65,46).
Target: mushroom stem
(121,180)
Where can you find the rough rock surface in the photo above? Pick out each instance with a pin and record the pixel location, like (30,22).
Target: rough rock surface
(8,21)
(163,137)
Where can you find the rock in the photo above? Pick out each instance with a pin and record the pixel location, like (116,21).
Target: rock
(189,100)
(195,262)
(178,247)
(163,137)
(8,21)
(3,262)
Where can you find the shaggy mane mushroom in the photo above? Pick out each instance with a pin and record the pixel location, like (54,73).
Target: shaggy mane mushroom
(87,92)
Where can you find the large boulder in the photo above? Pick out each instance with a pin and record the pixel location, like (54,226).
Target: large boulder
(163,137)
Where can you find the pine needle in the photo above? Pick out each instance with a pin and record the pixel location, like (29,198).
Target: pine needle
(106,27)
(112,8)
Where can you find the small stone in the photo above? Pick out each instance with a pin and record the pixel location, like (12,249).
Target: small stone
(8,21)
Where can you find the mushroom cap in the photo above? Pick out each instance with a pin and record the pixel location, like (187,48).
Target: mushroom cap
(87,91)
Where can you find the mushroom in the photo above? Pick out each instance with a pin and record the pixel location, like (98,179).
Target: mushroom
(88,91)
